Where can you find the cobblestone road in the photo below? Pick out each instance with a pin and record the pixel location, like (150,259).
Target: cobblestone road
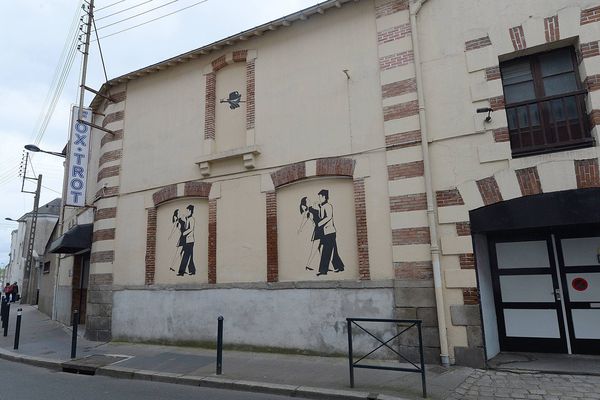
(497,385)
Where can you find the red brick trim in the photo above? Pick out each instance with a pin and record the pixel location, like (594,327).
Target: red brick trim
(272,253)
(335,167)
(590,49)
(212,241)
(219,63)
(362,236)
(109,156)
(107,256)
(497,103)
(408,202)
(240,55)
(478,43)
(103,234)
(165,194)
(210,105)
(108,172)
(390,7)
(529,181)
(393,33)
(467,261)
(396,60)
(413,270)
(113,117)
(399,88)
(403,139)
(196,189)
(589,15)
(592,82)
(406,170)
(517,37)
(594,118)
(410,236)
(111,137)
(108,191)
(118,97)
(105,213)
(250,94)
(289,174)
(401,110)
(470,296)
(463,228)
(489,190)
(449,197)
(150,258)
(501,135)
(551,29)
(587,174)
(492,73)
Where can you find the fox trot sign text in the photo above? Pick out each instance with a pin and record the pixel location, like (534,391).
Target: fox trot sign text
(79,143)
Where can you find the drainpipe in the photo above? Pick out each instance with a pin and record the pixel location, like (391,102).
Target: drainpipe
(415,6)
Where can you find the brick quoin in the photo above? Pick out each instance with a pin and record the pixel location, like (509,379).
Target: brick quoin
(391,7)
(501,135)
(497,103)
(413,270)
(197,189)
(478,43)
(288,174)
(111,137)
(102,257)
(212,241)
(335,167)
(492,73)
(401,110)
(396,60)
(463,228)
(466,261)
(589,15)
(406,236)
(489,190)
(113,117)
(165,194)
(408,202)
(403,139)
(103,234)
(551,29)
(150,258)
(250,94)
(108,191)
(399,88)
(587,174)
(100,279)
(362,236)
(108,172)
(529,181)
(393,33)
(209,105)
(109,156)
(470,296)
(272,251)
(517,37)
(449,197)
(105,213)
(590,49)
(592,82)
(406,170)
(595,117)
(118,97)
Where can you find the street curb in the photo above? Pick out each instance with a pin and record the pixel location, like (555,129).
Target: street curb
(116,371)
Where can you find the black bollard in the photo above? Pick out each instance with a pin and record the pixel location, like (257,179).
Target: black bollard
(18,328)
(6,316)
(220,345)
(3,312)
(74,338)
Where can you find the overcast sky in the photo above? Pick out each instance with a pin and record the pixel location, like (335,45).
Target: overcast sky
(33,34)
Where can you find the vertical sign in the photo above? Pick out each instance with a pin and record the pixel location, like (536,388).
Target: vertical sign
(79,144)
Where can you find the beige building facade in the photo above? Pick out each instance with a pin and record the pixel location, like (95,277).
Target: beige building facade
(334,164)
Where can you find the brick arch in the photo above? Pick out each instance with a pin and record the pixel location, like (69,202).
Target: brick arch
(336,166)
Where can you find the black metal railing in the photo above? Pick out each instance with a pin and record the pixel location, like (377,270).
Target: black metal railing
(385,343)
(549,124)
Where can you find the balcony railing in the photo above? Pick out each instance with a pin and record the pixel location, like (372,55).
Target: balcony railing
(549,124)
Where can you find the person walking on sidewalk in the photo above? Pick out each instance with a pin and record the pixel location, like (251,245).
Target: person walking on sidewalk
(14,293)
(7,290)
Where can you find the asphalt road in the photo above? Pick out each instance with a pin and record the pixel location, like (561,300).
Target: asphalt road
(24,382)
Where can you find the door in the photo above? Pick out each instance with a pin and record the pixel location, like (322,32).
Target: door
(527,294)
(579,261)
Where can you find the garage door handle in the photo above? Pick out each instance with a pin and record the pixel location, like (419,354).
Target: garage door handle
(557,294)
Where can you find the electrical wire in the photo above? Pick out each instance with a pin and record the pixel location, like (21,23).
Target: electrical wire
(52,190)
(152,20)
(138,14)
(100,50)
(110,5)
(125,9)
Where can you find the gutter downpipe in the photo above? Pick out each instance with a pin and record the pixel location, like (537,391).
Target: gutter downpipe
(415,6)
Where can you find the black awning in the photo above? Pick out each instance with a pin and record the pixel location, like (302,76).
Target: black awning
(76,239)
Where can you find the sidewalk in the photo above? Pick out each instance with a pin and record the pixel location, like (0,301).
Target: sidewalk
(48,343)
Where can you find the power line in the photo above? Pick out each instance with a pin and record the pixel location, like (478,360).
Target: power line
(138,14)
(110,5)
(100,50)
(155,19)
(122,11)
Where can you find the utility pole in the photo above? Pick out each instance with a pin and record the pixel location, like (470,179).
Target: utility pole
(86,52)
(26,287)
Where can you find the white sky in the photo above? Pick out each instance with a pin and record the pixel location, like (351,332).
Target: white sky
(32,36)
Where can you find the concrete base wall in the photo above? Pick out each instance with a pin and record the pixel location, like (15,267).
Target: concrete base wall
(46,293)
(306,319)
(63,305)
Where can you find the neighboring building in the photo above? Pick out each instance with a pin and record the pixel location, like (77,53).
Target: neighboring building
(486,229)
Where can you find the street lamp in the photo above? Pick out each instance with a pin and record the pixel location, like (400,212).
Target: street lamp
(10,219)
(35,149)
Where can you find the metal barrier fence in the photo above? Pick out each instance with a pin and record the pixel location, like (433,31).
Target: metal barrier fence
(355,364)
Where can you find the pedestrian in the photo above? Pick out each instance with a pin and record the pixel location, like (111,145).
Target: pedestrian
(14,293)
(7,290)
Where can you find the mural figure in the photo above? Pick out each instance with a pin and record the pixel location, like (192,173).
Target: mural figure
(179,225)
(187,254)
(234,100)
(324,233)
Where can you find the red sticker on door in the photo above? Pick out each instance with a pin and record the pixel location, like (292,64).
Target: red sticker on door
(579,284)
